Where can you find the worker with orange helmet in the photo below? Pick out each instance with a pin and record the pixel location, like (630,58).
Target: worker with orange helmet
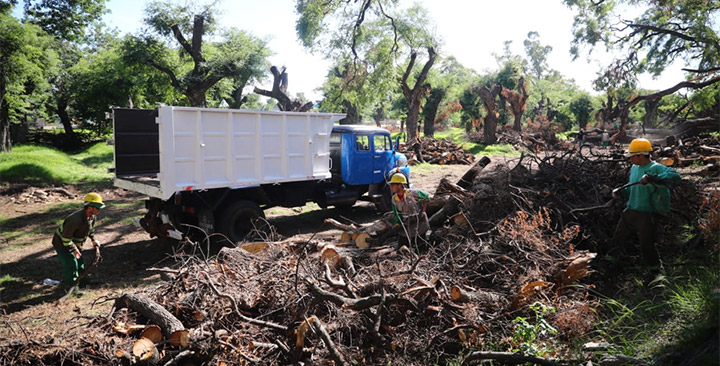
(72,234)
(648,200)
(409,209)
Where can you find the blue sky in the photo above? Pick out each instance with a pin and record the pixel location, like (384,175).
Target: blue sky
(472,31)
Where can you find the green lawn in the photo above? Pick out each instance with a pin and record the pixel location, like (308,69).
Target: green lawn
(41,164)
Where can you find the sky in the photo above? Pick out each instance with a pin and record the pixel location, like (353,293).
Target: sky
(471,30)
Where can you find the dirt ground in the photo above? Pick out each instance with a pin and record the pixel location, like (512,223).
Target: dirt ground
(29,308)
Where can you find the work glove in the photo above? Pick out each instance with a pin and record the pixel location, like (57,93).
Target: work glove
(647,178)
(75,251)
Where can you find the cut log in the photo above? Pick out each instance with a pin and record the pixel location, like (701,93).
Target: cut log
(254,247)
(145,352)
(451,208)
(467,179)
(362,241)
(460,295)
(170,325)
(152,333)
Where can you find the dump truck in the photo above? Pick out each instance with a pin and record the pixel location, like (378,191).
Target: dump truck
(217,170)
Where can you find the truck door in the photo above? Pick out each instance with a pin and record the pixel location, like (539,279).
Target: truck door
(382,156)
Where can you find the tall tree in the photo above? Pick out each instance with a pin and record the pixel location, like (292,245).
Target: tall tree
(237,55)
(517,101)
(415,95)
(431,108)
(26,59)
(366,40)
(666,31)
(537,54)
(488,95)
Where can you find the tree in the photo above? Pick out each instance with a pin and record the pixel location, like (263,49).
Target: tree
(238,55)
(279,92)
(665,32)
(537,54)
(517,101)
(582,108)
(419,90)
(488,95)
(26,59)
(430,110)
(366,39)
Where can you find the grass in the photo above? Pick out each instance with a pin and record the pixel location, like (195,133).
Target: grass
(677,317)
(46,165)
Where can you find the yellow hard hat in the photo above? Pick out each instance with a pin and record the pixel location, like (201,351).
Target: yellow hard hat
(94,199)
(639,146)
(398,178)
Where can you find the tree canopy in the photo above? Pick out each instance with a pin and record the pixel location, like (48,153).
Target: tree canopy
(199,62)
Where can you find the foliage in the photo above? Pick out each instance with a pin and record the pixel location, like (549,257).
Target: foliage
(202,61)
(680,320)
(581,107)
(44,165)
(527,335)
(366,42)
(64,19)
(27,60)
(537,54)
(664,32)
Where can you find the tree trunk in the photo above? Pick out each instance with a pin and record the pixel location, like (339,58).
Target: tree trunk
(5,143)
(488,97)
(651,110)
(279,93)
(517,102)
(414,96)
(351,114)
(430,110)
(62,104)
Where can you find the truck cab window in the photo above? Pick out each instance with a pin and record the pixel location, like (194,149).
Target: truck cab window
(335,139)
(362,142)
(381,143)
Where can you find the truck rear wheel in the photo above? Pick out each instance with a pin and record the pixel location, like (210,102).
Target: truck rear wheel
(240,218)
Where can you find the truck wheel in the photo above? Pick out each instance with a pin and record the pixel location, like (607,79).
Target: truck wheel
(239,218)
(385,203)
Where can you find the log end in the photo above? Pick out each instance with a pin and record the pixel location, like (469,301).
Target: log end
(181,338)
(152,333)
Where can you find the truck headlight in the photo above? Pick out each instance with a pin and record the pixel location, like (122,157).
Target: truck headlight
(401,161)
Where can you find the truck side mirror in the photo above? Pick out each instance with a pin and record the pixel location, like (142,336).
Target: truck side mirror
(396,147)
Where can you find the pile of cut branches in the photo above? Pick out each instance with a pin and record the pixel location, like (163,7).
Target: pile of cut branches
(432,151)
(520,235)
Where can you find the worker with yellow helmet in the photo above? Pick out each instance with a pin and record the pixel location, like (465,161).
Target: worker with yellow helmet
(409,209)
(72,234)
(648,200)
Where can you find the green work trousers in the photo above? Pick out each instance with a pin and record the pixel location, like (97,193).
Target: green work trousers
(71,267)
(645,225)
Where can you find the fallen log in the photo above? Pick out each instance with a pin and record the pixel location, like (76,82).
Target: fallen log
(466,180)
(173,329)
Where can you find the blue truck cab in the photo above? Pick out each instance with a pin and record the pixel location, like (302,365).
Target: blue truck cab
(362,157)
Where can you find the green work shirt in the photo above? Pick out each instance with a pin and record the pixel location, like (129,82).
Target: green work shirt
(74,230)
(650,197)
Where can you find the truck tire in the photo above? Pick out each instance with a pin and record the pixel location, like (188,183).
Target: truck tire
(385,203)
(239,218)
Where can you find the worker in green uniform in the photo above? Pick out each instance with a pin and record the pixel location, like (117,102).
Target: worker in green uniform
(72,234)
(409,209)
(648,201)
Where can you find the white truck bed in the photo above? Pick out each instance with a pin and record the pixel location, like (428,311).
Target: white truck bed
(204,148)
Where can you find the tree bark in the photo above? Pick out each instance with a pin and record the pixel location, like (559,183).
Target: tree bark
(414,96)
(279,93)
(488,96)
(431,108)
(651,110)
(62,104)
(351,114)
(517,102)
(171,326)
